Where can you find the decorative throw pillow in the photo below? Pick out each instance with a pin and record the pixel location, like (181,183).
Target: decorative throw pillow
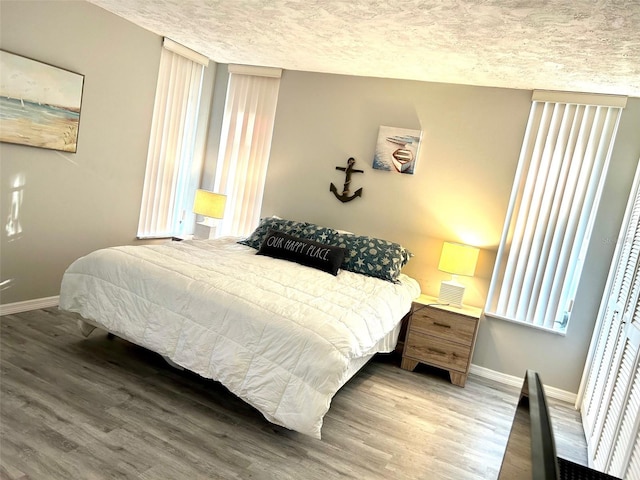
(272,223)
(303,251)
(366,255)
(372,256)
(318,233)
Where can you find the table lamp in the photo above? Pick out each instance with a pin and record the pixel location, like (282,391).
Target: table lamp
(211,206)
(456,259)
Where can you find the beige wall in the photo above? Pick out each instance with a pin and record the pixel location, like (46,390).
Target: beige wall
(460,192)
(75,203)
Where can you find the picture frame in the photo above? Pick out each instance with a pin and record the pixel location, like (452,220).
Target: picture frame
(397,149)
(39,103)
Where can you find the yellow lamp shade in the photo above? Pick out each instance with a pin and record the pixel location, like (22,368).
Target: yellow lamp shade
(458,259)
(209,204)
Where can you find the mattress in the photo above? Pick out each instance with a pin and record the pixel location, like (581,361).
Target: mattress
(281,336)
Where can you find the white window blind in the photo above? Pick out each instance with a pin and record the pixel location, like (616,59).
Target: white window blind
(558,182)
(611,380)
(245,145)
(172,141)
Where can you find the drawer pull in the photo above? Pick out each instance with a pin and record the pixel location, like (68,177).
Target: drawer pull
(436,351)
(443,325)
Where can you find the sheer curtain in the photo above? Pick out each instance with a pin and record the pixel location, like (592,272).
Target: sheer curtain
(245,145)
(172,140)
(561,170)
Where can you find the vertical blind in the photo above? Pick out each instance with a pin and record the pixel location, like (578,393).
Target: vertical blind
(245,146)
(558,182)
(172,140)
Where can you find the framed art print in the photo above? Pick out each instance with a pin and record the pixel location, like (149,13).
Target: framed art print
(397,149)
(39,103)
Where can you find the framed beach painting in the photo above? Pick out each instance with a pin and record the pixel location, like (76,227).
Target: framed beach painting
(39,103)
(397,149)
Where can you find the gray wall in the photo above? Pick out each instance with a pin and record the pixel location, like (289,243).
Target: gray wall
(463,176)
(76,203)
(460,192)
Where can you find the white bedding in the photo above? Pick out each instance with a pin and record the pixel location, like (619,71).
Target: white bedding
(279,335)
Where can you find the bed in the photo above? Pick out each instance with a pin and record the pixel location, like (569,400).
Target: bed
(277,333)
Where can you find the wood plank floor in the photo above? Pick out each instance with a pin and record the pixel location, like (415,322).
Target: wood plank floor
(95,408)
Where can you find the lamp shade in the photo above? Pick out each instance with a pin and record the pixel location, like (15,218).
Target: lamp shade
(458,259)
(209,204)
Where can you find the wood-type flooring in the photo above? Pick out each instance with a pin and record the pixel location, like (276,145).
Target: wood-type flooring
(99,408)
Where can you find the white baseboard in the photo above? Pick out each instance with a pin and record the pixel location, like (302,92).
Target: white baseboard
(517,382)
(19,307)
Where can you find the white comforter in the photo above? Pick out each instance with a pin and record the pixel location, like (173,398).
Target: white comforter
(277,334)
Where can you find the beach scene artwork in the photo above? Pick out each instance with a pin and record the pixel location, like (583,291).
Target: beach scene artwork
(397,149)
(39,103)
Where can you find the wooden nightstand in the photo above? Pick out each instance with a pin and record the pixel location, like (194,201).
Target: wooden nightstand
(441,336)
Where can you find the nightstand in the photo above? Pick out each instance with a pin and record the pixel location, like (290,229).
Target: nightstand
(441,336)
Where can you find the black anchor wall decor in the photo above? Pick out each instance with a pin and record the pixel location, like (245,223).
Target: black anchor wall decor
(348,170)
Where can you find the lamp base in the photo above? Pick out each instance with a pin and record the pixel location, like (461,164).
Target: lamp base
(451,292)
(204,231)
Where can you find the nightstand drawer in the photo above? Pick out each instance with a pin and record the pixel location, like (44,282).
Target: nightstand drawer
(438,352)
(443,324)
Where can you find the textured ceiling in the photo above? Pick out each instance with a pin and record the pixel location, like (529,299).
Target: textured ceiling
(573,45)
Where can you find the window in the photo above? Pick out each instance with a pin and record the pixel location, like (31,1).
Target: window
(558,182)
(169,177)
(247,129)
